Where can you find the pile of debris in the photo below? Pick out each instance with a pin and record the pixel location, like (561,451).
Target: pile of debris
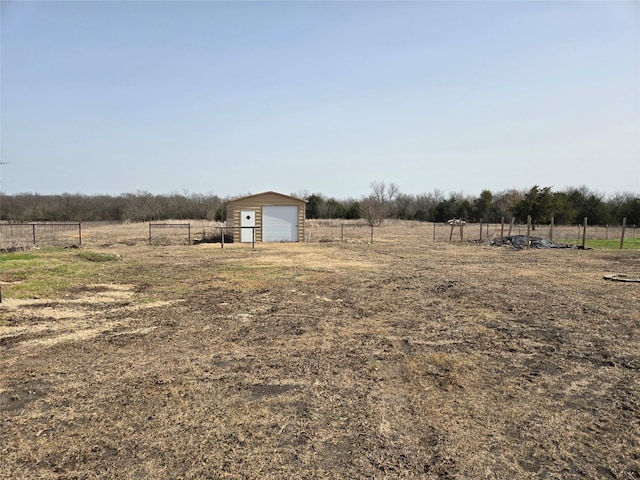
(520,241)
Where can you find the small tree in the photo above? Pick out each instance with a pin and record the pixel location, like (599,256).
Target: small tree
(630,208)
(482,206)
(377,206)
(504,203)
(537,202)
(315,205)
(334,209)
(353,212)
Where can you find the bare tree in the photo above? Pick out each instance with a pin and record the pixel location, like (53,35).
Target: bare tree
(377,206)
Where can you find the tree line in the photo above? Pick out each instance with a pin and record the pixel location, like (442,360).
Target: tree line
(566,207)
(136,207)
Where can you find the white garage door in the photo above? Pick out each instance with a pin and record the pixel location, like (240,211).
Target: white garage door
(280,224)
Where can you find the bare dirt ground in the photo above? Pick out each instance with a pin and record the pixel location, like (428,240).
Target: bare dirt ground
(327,360)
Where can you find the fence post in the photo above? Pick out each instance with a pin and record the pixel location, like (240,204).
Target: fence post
(149,234)
(33,229)
(371,233)
(551,230)
(624,225)
(342,232)
(79,233)
(584,233)
(221,237)
(461,231)
(253,240)
(481,230)
(528,231)
(578,237)
(513,219)
(434,232)
(188,234)
(501,228)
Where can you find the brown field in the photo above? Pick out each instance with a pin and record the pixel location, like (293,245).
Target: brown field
(404,358)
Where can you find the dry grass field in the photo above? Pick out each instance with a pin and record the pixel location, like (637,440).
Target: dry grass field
(403,358)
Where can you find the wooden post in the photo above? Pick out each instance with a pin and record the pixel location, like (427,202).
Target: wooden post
(342,232)
(451,232)
(578,237)
(513,219)
(528,230)
(501,228)
(79,233)
(584,233)
(551,229)
(481,230)
(624,225)
(434,232)
(461,232)
(221,237)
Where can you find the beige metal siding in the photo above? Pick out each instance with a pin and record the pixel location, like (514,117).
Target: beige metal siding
(301,219)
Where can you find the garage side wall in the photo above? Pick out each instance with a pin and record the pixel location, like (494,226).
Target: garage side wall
(302,215)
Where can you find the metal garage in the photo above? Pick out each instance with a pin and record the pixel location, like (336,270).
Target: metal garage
(270,216)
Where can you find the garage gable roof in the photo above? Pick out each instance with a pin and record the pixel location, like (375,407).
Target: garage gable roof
(269,193)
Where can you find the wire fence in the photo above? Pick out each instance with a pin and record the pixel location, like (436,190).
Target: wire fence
(169,234)
(21,236)
(430,232)
(14,236)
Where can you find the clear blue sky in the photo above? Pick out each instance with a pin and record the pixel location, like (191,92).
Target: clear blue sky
(237,97)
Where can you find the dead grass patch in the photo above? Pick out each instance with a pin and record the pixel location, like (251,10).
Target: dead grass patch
(389,360)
